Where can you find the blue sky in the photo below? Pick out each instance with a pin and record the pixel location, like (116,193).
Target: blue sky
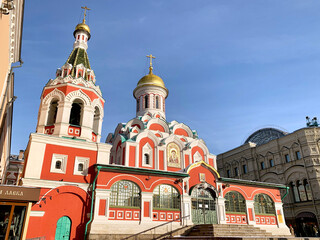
(231,67)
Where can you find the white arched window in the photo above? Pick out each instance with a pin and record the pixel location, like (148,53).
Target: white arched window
(147,155)
(166,197)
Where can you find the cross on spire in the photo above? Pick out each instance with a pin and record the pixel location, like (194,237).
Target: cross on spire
(85,13)
(151,57)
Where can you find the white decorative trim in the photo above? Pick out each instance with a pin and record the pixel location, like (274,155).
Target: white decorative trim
(55,93)
(37,213)
(146,149)
(78,94)
(63,159)
(85,162)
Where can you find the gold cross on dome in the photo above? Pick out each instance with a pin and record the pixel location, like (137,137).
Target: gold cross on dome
(150,56)
(85,13)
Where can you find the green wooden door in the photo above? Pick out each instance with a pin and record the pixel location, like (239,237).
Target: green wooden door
(203,207)
(63,228)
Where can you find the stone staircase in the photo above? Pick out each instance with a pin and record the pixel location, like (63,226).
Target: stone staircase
(224,232)
(227,231)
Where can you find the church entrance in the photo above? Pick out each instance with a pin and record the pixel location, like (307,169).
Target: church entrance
(63,228)
(203,206)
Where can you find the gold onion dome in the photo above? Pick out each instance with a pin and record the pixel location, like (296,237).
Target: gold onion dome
(151,80)
(82,26)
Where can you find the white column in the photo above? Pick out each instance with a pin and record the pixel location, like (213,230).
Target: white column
(146,198)
(221,213)
(101,194)
(280,216)
(250,208)
(62,120)
(42,118)
(186,210)
(87,122)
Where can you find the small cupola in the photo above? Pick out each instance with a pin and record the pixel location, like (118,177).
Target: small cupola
(150,93)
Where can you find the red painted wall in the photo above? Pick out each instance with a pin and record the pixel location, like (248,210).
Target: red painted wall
(67,89)
(146,207)
(161,159)
(102,207)
(156,127)
(194,150)
(181,131)
(56,206)
(194,176)
(72,153)
(248,192)
(132,156)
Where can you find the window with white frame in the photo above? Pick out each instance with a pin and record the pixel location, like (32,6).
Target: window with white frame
(147,155)
(59,163)
(81,165)
(197,157)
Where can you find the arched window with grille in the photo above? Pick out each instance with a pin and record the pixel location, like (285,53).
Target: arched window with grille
(235,202)
(125,194)
(166,197)
(263,204)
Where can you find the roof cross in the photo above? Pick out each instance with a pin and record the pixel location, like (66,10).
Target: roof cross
(150,56)
(85,13)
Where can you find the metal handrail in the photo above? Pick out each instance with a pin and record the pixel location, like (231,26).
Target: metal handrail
(163,224)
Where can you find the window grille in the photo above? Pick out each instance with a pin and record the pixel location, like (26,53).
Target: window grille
(125,194)
(263,204)
(235,202)
(166,197)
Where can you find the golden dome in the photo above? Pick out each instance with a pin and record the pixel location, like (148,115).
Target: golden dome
(150,80)
(84,27)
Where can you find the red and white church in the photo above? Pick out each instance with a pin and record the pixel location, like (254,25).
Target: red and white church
(148,172)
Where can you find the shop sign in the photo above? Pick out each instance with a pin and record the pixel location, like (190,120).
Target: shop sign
(19,193)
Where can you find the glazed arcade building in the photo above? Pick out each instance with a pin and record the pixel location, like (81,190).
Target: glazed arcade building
(148,172)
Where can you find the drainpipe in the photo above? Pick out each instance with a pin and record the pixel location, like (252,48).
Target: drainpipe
(287,191)
(92,200)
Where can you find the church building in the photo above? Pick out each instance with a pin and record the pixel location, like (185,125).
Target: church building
(149,171)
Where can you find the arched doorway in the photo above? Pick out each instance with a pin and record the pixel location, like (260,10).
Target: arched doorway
(306,225)
(63,228)
(203,205)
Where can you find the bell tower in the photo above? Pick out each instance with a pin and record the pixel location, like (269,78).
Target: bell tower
(72,104)
(151,94)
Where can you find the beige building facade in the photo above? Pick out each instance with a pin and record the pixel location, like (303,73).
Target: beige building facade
(11,22)
(292,159)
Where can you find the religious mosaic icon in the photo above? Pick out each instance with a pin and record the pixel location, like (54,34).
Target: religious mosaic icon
(202,177)
(173,155)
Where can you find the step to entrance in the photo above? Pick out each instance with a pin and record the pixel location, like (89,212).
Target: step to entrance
(234,232)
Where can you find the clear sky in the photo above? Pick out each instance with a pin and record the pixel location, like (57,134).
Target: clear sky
(231,67)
